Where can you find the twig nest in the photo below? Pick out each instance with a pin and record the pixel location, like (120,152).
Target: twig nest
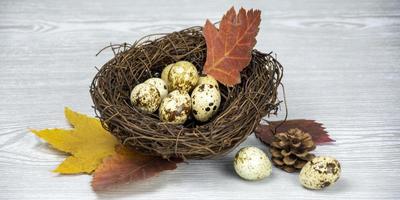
(206,99)
(183,75)
(145,97)
(320,172)
(241,108)
(251,163)
(175,108)
(160,85)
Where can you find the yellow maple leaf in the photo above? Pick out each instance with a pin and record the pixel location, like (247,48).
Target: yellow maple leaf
(88,143)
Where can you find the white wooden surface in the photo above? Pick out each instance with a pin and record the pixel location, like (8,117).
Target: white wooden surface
(341,63)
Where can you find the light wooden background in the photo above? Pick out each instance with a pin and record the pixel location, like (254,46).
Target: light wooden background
(341,62)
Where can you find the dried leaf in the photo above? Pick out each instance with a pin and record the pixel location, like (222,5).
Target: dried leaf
(229,48)
(315,129)
(128,166)
(88,143)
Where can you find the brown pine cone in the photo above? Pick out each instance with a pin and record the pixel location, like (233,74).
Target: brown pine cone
(290,150)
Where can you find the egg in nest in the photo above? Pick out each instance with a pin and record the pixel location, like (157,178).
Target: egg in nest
(183,75)
(145,97)
(206,100)
(207,79)
(160,85)
(165,74)
(175,107)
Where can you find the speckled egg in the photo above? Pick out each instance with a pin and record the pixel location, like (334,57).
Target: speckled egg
(183,76)
(175,107)
(145,97)
(165,74)
(251,163)
(320,172)
(207,79)
(205,102)
(160,85)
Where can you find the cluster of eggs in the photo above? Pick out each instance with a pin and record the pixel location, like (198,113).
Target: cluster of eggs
(179,92)
(251,163)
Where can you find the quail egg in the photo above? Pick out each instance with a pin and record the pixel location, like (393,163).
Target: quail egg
(207,79)
(251,163)
(320,172)
(160,85)
(183,76)
(145,97)
(206,99)
(175,107)
(165,74)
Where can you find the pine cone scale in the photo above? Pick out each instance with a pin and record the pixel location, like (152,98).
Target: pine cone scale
(276,153)
(300,164)
(278,162)
(288,160)
(285,153)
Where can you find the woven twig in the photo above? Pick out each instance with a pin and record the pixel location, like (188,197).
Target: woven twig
(241,110)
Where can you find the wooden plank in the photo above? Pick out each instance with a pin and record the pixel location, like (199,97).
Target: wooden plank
(341,63)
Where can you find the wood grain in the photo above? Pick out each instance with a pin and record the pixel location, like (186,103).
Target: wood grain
(341,63)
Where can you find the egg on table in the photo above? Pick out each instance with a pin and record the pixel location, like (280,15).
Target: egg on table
(160,85)
(320,172)
(251,163)
(165,74)
(175,107)
(207,79)
(145,97)
(183,75)
(206,100)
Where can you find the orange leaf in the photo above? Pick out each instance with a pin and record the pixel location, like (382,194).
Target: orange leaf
(128,166)
(229,48)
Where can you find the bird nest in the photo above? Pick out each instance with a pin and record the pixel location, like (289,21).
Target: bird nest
(242,106)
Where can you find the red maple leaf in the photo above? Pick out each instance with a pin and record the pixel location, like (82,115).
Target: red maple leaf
(266,132)
(229,48)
